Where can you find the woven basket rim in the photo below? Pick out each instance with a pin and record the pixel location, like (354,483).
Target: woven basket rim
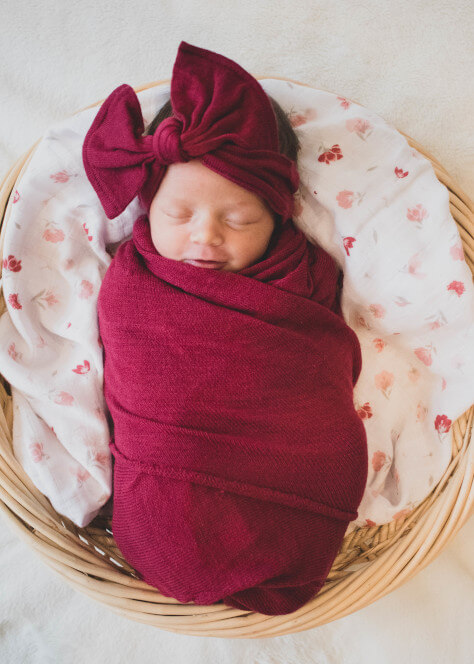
(372,562)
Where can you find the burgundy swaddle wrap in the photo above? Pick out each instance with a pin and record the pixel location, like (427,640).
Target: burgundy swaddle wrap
(239,456)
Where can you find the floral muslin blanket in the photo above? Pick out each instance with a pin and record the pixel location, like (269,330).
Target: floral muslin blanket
(366,197)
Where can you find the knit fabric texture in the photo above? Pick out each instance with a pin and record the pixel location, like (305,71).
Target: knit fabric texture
(239,457)
(221,114)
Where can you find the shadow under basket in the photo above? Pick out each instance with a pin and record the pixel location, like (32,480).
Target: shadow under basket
(372,561)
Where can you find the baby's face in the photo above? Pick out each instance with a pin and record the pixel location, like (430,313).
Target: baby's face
(198,214)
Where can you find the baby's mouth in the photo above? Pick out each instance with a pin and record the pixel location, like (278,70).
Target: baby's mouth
(215,265)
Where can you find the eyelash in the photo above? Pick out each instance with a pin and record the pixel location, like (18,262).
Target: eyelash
(235,222)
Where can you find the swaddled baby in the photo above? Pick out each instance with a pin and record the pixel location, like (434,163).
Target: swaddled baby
(228,368)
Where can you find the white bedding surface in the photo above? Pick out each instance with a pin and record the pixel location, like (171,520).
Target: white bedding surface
(411,63)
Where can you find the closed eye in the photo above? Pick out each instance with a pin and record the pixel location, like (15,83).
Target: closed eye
(241,223)
(231,221)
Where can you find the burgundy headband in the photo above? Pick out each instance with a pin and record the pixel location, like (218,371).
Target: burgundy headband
(221,115)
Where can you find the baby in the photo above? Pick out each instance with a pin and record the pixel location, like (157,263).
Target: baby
(228,368)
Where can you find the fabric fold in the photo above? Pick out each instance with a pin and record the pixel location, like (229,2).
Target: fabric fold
(232,400)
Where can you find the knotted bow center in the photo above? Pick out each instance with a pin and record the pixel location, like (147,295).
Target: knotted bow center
(166,144)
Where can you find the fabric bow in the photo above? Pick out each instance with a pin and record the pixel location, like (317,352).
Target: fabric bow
(221,115)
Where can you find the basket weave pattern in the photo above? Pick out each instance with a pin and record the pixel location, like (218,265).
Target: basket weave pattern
(372,561)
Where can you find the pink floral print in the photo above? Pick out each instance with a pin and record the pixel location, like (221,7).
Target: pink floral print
(417,213)
(13,301)
(331,154)
(45,297)
(86,290)
(82,368)
(12,264)
(52,233)
(361,127)
(37,452)
(400,173)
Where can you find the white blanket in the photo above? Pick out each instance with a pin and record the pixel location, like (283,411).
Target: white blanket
(369,199)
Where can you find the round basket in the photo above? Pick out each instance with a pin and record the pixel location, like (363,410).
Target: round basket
(372,561)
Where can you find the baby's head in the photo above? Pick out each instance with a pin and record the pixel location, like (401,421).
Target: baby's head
(198,214)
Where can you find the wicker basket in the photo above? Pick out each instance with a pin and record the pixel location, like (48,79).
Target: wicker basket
(372,561)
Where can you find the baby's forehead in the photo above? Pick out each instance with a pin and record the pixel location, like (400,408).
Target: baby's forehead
(217,200)
(193,182)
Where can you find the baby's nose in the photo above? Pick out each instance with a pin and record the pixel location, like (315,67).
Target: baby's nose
(206,230)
